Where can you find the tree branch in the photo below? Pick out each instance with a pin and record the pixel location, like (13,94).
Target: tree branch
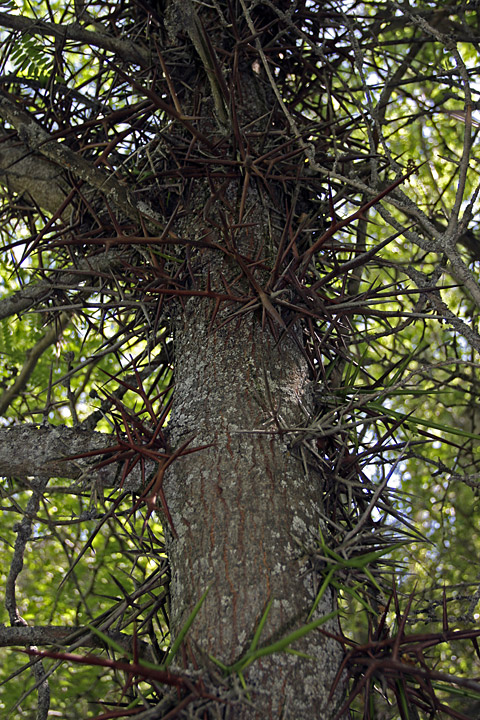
(25,172)
(64,634)
(127,50)
(31,294)
(29,450)
(36,138)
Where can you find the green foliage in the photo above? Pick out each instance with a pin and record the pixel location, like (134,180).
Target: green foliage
(31,59)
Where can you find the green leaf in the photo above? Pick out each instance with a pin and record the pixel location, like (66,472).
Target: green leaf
(260,627)
(181,635)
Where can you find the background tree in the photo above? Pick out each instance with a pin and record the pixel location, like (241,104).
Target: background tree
(240,294)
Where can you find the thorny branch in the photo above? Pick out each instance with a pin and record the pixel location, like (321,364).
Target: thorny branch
(333,90)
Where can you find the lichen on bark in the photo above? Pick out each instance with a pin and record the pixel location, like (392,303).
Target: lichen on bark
(244,510)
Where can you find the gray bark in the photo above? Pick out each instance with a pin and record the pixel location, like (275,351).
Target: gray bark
(66,635)
(245,512)
(38,141)
(28,450)
(32,176)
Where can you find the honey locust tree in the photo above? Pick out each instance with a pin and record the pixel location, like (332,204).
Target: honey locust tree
(239,300)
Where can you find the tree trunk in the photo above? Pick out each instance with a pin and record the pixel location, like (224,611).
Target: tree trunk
(244,510)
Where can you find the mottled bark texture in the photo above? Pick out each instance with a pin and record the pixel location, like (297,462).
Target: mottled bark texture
(28,450)
(32,176)
(244,510)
